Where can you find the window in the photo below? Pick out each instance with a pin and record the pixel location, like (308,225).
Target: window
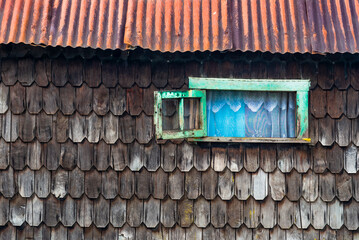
(235,110)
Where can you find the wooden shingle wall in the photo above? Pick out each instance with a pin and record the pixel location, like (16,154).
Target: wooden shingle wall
(79,159)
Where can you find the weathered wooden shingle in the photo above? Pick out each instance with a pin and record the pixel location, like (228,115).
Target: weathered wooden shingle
(42,72)
(25,182)
(285,214)
(127,128)
(277,185)
(67,99)
(310,186)
(143,184)
(169,212)
(51,99)
(44,127)
(84,211)
(202,157)
(176,184)
(59,75)
(92,184)
(318,99)
(335,158)
(117,100)
(101,212)
(17,210)
(251,158)
(76,183)
(5,156)
(319,214)
(75,71)
(193,184)
(85,155)
(52,211)
(26,71)
(102,157)
(127,183)
(326,131)
(293,182)
(325,75)
(118,212)
(219,158)
(336,214)
(77,128)
(343,131)
(251,213)
(144,128)
(134,212)
(109,184)
(33,99)
(68,212)
(27,127)
(4,98)
(134,100)
(285,158)
(151,212)
(101,97)
(218,213)
(92,72)
(9,71)
(83,99)
(68,155)
(17,99)
(352,100)
(185,212)
(94,127)
(109,74)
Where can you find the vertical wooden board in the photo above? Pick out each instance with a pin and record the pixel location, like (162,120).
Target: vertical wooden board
(5,156)
(152,159)
(59,72)
(259,186)
(126,72)
(242,184)
(151,212)
(293,185)
(42,183)
(52,211)
(261,234)
(143,184)
(127,128)
(319,158)
(202,212)
(355,178)
(117,100)
(327,186)
(27,127)
(42,72)
(318,100)
(168,156)
(68,155)
(127,183)
(251,158)
(176,75)
(142,75)
(17,99)
(43,127)
(326,131)
(18,155)
(33,99)
(136,152)
(193,184)
(118,212)
(9,71)
(101,212)
(148,100)
(84,211)
(4,98)
(285,158)
(218,213)
(319,214)
(26,71)
(109,184)
(68,212)
(209,184)
(75,71)
(325,75)
(76,233)
(159,74)
(76,183)
(219,158)
(77,128)
(62,127)
(235,158)
(101,100)
(335,214)
(184,156)
(51,99)
(335,158)
(354,133)
(344,186)
(352,103)
(134,212)
(169,212)
(102,157)
(202,158)
(25,182)
(94,128)
(6,126)
(119,156)
(67,99)
(59,183)
(268,217)
(310,186)
(109,73)
(85,155)
(343,131)
(176,184)
(193,232)
(185,212)
(268,158)
(134,100)
(84,94)
(4,210)
(92,72)
(302,158)
(351,220)
(144,129)
(92,183)
(251,213)
(285,214)
(8,189)
(351,159)
(244,233)
(17,212)
(336,103)
(235,212)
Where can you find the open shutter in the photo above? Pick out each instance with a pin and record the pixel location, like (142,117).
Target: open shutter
(180,114)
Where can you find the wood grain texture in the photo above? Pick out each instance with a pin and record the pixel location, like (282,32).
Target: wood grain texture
(94,127)
(193,184)
(85,155)
(67,99)
(68,212)
(226,184)
(144,128)
(76,183)
(119,155)
(219,158)
(4,98)
(319,155)
(9,71)
(343,131)
(102,157)
(51,99)
(152,156)
(84,94)
(202,212)
(259,185)
(310,186)
(336,102)
(202,158)
(134,99)
(6,126)
(184,156)
(118,100)
(341,80)
(18,155)
(235,156)
(209,184)
(27,127)
(285,214)
(101,212)
(75,71)
(101,100)
(25,182)
(135,152)
(118,212)
(135,212)
(5,156)
(159,74)
(17,211)
(44,127)
(351,159)
(92,184)
(59,183)
(148,99)
(293,185)
(268,213)
(169,212)
(42,183)
(126,72)
(84,211)
(168,156)
(92,72)
(151,212)
(251,213)
(17,98)
(326,131)
(319,214)
(350,215)
(185,212)
(335,158)
(176,184)
(343,186)
(42,72)
(62,127)
(327,186)
(285,158)
(142,78)
(235,210)
(77,127)
(242,185)
(109,74)
(353,75)
(352,105)
(33,99)
(26,71)
(176,75)
(127,128)
(302,159)
(52,211)
(143,184)
(127,183)
(325,75)
(109,184)
(251,158)
(218,213)
(336,214)
(59,74)
(268,158)
(68,155)
(4,210)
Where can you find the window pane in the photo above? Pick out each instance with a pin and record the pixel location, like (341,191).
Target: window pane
(251,114)
(170,115)
(191,113)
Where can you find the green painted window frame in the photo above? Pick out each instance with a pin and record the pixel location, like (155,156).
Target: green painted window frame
(181,95)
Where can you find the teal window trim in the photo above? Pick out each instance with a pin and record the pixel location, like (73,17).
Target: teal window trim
(181,133)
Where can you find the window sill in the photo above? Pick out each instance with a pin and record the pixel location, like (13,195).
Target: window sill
(250,140)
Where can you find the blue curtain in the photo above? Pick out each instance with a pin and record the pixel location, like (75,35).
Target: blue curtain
(251,114)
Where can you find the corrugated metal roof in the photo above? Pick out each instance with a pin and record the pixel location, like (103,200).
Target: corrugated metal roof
(325,26)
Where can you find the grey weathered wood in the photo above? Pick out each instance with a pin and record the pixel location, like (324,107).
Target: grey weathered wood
(52,211)
(285,214)
(42,184)
(18,155)
(109,184)
(144,129)
(293,185)
(209,184)
(4,98)
(77,127)
(43,127)
(193,183)
(42,232)
(235,212)
(152,156)
(101,97)
(268,158)
(319,158)
(118,212)
(327,187)
(294,234)
(25,182)
(143,185)
(328,234)
(202,212)
(151,212)
(126,233)
(355,131)
(109,233)
(168,156)
(251,213)
(176,184)
(261,234)
(67,99)
(9,71)
(226,184)
(102,157)
(76,183)
(310,186)
(15,127)
(17,98)
(109,73)
(342,131)
(94,128)
(202,158)
(34,211)
(336,102)
(42,72)
(92,72)
(344,234)
(127,128)
(277,185)
(136,152)
(6,126)
(159,181)
(302,158)
(352,103)
(4,210)
(319,214)
(75,71)
(5,156)
(101,212)
(27,127)
(92,183)
(84,211)
(277,233)
(193,232)
(148,100)
(235,158)
(85,155)
(117,100)
(184,156)
(134,212)
(119,155)
(242,184)
(68,212)
(351,159)
(251,158)
(51,99)
(185,212)
(127,183)
(313,129)
(302,211)
(83,99)
(335,214)
(92,232)
(59,183)
(76,233)
(33,99)
(219,158)
(285,158)
(326,131)
(169,212)
(218,213)
(110,128)
(68,155)
(8,233)
(344,186)
(244,233)
(59,232)
(62,127)
(268,213)
(351,219)
(259,186)
(59,72)
(356,186)
(134,100)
